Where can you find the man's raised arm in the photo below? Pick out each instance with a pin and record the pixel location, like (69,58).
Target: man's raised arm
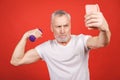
(19,56)
(97,21)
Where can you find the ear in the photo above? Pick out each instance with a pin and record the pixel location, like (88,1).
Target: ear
(51,28)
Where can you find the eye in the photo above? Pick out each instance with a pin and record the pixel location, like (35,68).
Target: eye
(58,26)
(66,25)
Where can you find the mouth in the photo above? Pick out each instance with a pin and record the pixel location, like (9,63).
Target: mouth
(62,36)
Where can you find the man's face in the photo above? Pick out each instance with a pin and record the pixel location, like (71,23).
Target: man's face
(61,27)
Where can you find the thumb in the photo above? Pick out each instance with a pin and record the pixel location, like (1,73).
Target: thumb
(90,28)
(98,8)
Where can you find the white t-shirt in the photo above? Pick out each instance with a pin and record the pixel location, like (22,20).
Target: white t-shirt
(68,62)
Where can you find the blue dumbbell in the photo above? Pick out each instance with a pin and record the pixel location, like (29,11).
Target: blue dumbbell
(32,38)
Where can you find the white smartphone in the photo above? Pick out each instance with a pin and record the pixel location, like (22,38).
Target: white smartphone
(91,8)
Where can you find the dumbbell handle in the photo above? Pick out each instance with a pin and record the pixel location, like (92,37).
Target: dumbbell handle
(32,38)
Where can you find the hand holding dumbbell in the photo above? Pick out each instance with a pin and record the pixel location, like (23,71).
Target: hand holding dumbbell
(32,38)
(32,35)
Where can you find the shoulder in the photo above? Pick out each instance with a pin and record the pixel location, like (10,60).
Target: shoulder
(81,39)
(44,44)
(41,48)
(81,36)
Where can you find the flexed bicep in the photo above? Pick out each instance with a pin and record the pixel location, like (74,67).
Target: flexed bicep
(29,57)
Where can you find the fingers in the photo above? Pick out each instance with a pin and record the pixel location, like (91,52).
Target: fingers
(94,19)
(91,15)
(35,32)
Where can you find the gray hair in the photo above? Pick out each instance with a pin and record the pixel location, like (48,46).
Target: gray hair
(60,13)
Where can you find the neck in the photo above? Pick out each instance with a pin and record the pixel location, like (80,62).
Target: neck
(64,43)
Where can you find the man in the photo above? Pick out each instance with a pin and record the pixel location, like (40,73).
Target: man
(67,55)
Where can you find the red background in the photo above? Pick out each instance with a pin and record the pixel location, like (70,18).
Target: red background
(19,16)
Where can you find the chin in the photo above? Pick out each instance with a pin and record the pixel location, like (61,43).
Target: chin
(62,40)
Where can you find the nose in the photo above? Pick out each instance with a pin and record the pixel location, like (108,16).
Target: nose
(62,30)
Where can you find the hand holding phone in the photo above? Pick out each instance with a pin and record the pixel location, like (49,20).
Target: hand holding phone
(93,18)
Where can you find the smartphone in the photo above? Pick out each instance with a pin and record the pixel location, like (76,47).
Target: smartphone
(89,8)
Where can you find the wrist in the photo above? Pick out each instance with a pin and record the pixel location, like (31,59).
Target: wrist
(25,36)
(104,27)
(104,30)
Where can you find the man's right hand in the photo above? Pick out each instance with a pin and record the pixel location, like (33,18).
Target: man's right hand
(36,32)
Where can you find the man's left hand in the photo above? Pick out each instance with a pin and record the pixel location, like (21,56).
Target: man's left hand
(96,20)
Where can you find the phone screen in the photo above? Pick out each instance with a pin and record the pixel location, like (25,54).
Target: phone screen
(91,8)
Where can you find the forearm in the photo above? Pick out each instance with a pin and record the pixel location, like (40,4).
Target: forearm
(105,34)
(19,50)
(104,37)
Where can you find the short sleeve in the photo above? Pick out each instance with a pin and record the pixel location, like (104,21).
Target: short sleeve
(84,39)
(41,49)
